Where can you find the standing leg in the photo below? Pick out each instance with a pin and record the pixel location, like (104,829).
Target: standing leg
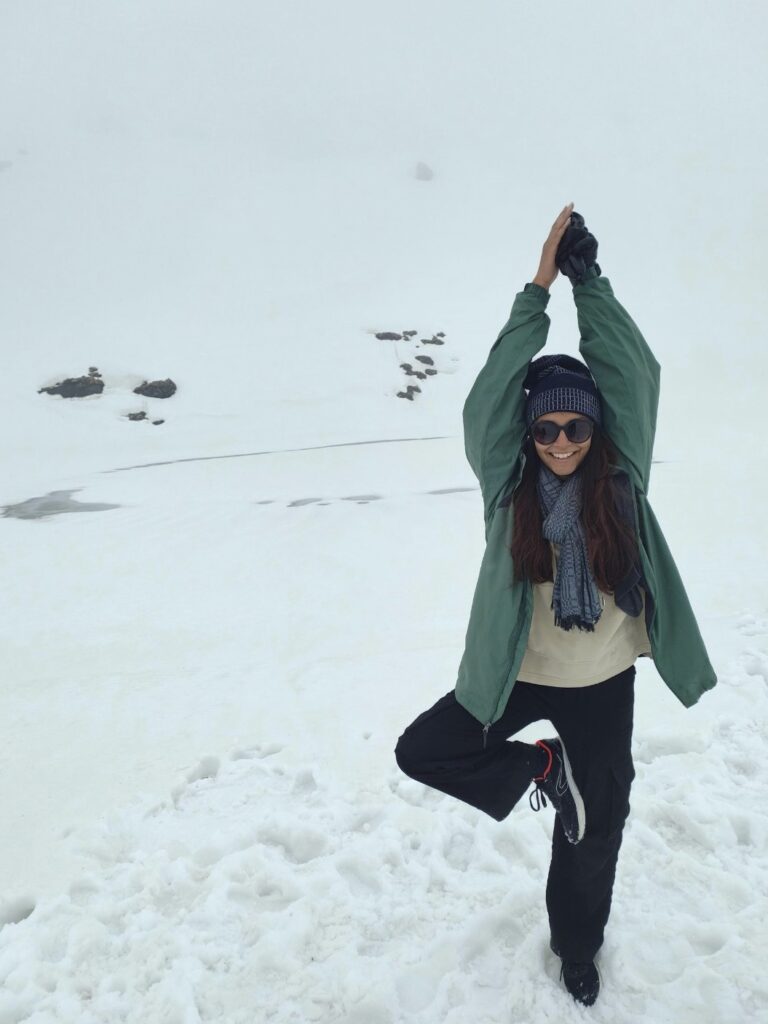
(595,724)
(443,748)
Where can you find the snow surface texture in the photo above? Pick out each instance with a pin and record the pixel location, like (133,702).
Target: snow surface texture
(214,629)
(264,892)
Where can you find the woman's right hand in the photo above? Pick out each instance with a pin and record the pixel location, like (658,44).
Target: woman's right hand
(548,271)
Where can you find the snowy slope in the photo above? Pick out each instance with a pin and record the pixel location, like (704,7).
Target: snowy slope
(267,886)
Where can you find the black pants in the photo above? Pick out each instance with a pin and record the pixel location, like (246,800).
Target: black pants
(443,748)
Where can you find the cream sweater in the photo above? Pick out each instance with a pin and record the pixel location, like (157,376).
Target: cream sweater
(559,657)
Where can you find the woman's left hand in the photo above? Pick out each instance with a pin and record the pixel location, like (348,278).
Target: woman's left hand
(548,271)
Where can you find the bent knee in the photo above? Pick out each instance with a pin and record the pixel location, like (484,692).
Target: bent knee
(405,755)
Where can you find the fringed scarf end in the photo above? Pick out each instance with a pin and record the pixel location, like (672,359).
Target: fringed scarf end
(571,621)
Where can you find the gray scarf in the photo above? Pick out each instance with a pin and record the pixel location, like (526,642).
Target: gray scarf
(575,598)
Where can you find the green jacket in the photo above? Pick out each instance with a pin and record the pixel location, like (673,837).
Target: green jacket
(627,375)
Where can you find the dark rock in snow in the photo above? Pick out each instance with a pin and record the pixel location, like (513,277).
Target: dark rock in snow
(426,359)
(75,387)
(156,388)
(410,372)
(137,415)
(389,336)
(434,340)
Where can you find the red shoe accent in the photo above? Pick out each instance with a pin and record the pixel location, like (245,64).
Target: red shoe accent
(539,778)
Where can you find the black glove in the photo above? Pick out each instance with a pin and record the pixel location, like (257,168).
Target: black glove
(577,250)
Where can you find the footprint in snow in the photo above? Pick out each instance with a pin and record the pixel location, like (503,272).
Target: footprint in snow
(298,845)
(756,664)
(257,750)
(752,625)
(361,880)
(207,768)
(267,894)
(12,911)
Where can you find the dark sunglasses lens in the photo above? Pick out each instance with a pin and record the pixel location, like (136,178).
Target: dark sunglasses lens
(579,431)
(546,431)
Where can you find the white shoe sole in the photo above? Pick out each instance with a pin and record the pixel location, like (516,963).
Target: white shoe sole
(581,814)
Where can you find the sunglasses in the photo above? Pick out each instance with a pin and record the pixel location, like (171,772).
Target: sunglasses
(547,431)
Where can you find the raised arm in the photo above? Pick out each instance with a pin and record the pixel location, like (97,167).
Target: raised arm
(494,411)
(625,370)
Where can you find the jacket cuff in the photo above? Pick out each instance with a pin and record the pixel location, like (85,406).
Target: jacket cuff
(537,290)
(590,275)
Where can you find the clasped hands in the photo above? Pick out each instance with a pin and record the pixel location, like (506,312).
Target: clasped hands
(570,249)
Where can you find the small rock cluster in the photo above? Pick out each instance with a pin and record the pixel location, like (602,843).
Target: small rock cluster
(77,387)
(426,361)
(92,384)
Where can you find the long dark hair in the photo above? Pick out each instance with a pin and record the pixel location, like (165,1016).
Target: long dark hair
(611,541)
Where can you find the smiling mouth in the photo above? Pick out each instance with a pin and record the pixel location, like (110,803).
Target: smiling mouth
(561,458)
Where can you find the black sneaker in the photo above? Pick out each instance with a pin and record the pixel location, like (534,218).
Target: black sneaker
(556,782)
(581,980)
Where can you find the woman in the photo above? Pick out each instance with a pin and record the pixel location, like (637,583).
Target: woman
(576,582)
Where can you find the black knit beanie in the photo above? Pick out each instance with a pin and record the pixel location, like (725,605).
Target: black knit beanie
(560,383)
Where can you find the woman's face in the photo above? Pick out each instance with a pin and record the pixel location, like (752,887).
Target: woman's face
(562,456)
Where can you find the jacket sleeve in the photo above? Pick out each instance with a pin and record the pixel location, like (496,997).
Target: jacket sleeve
(494,410)
(625,370)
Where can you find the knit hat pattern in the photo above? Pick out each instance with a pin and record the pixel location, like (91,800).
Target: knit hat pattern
(560,383)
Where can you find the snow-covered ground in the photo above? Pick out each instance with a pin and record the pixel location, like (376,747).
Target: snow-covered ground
(214,629)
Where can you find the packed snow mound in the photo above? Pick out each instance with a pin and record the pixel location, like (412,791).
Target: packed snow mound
(259,892)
